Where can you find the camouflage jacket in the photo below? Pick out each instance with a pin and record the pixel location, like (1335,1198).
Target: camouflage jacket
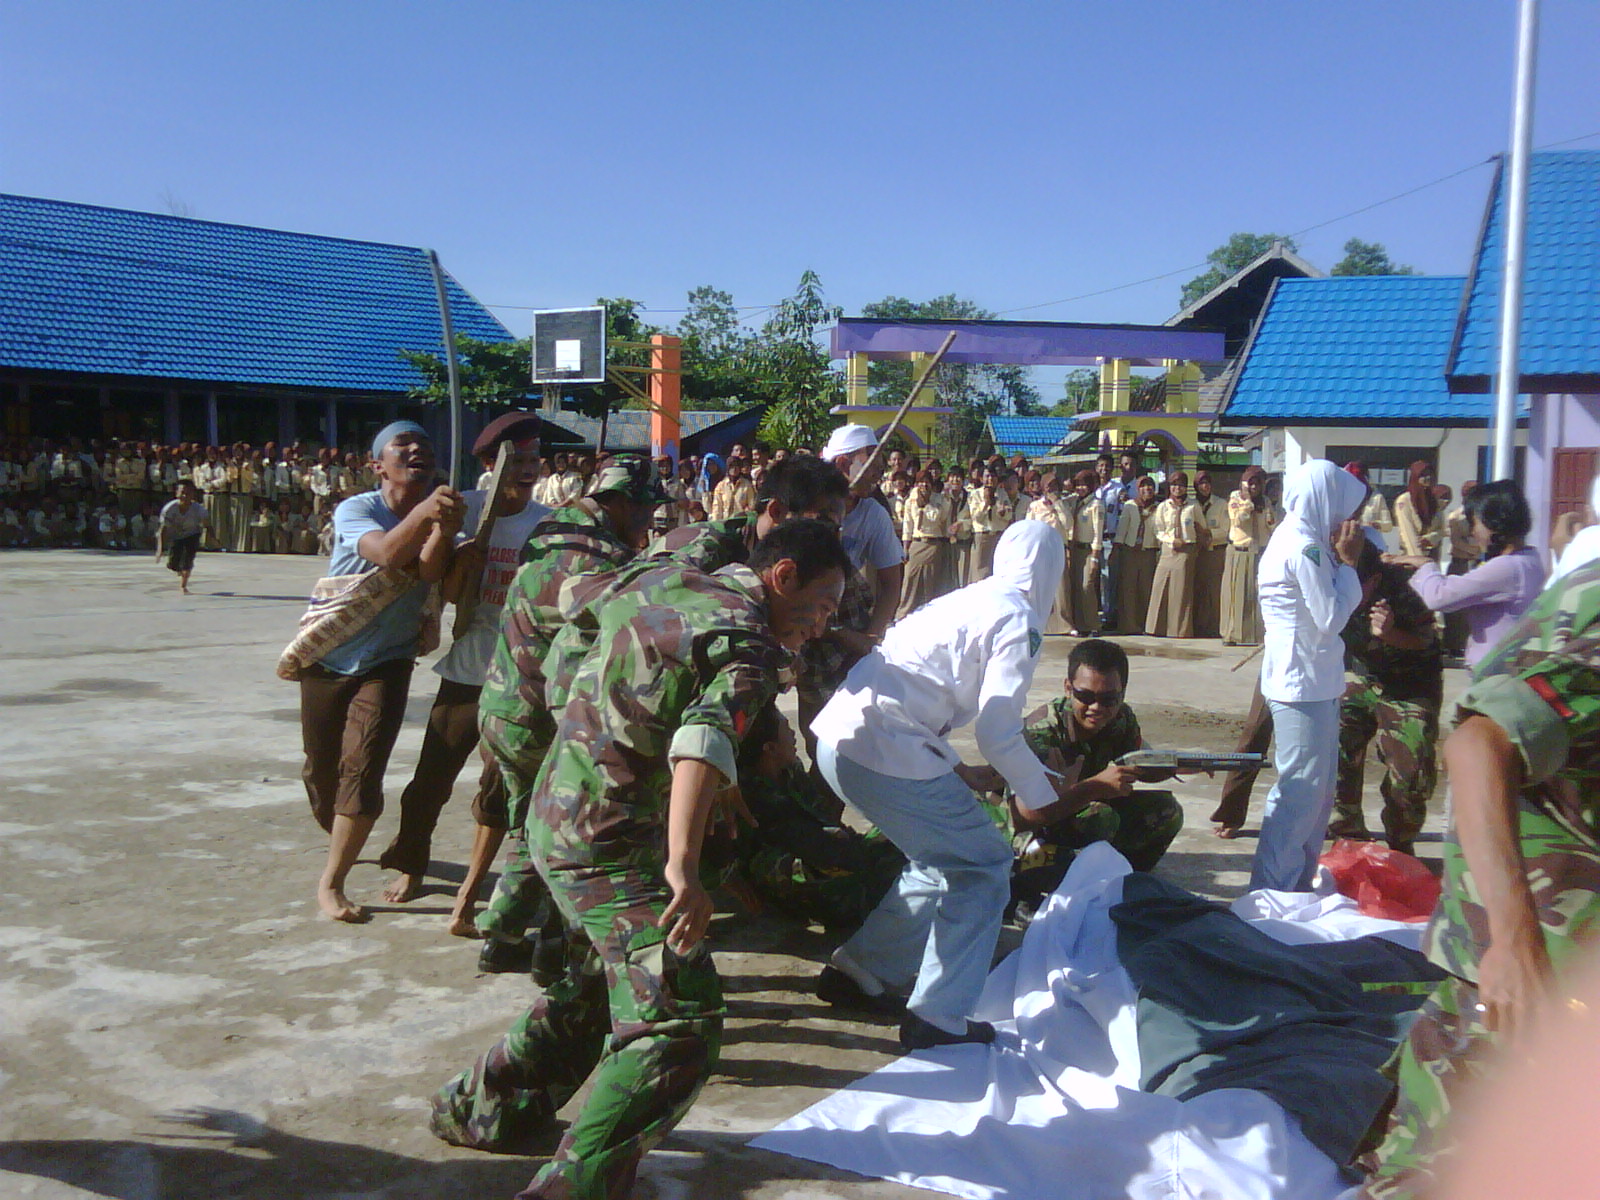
(1541,685)
(680,663)
(710,545)
(1052,728)
(1415,675)
(569,542)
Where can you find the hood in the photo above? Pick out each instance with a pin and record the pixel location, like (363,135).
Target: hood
(1321,496)
(1030,557)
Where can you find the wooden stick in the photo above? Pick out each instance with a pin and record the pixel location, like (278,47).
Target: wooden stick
(467,602)
(893,427)
(452,375)
(1247,658)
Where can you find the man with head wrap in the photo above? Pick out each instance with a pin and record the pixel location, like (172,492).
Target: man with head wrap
(353,699)
(967,657)
(1309,589)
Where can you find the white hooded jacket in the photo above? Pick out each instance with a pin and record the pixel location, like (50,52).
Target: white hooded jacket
(1584,548)
(1307,594)
(966,657)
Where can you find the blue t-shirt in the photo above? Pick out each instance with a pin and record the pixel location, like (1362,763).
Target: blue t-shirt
(393,633)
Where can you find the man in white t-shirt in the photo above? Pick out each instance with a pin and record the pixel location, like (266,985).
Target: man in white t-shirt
(452,731)
(871,595)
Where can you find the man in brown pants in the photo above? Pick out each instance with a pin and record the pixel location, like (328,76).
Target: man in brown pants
(353,698)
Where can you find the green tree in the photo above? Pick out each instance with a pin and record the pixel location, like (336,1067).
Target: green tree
(1368,258)
(717,367)
(1232,256)
(793,369)
(492,373)
(1081,393)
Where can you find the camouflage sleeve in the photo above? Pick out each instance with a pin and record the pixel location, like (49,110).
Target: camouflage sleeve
(741,673)
(1046,728)
(1545,708)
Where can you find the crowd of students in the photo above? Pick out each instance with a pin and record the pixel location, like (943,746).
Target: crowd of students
(108,495)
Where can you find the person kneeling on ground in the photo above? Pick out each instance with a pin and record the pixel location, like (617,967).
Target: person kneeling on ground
(1081,735)
(795,857)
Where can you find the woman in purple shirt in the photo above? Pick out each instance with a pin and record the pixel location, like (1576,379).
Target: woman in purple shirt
(1498,590)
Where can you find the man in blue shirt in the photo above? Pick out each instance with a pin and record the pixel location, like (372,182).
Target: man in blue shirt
(353,699)
(1111,493)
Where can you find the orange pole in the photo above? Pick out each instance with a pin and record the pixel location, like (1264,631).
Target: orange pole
(666,395)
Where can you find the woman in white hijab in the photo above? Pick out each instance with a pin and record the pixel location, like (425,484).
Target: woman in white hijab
(1308,589)
(966,657)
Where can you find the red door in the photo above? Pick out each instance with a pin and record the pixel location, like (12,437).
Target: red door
(1574,471)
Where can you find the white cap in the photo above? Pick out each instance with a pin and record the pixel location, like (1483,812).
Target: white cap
(847,439)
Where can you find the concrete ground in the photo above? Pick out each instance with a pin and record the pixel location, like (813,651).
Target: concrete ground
(176,1021)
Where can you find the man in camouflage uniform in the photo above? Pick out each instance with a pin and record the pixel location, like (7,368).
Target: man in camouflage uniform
(1081,735)
(795,487)
(795,857)
(1394,684)
(679,665)
(597,532)
(1521,900)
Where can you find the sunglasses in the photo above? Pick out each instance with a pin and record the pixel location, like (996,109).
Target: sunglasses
(1103,699)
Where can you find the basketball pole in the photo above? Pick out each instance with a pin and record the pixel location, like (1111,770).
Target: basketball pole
(451,374)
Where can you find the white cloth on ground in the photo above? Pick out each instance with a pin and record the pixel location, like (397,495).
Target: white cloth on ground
(1052,1111)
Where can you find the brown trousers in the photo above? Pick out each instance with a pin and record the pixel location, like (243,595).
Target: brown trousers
(1255,739)
(448,742)
(1208,567)
(348,724)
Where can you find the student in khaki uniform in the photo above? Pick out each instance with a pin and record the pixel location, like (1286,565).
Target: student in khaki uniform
(1171,612)
(734,495)
(991,510)
(1083,553)
(1250,524)
(1211,524)
(1057,509)
(1418,517)
(955,491)
(1137,550)
(925,518)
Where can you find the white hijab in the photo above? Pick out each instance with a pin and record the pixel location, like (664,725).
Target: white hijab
(1584,548)
(1029,558)
(1320,496)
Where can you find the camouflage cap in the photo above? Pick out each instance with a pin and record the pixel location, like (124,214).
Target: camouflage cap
(634,476)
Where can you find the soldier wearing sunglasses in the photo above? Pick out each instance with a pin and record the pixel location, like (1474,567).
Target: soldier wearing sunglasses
(1080,736)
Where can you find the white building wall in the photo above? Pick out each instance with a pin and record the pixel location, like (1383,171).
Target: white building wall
(1284,448)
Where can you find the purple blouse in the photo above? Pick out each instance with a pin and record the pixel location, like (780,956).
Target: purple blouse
(1492,595)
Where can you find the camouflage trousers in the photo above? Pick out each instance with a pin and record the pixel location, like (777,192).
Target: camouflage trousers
(521,901)
(645,1022)
(1449,1050)
(838,900)
(1406,733)
(1139,826)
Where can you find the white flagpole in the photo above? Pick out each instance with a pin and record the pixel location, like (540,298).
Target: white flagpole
(1514,222)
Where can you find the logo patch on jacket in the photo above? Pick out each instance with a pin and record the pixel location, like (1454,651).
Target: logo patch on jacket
(1314,553)
(1035,640)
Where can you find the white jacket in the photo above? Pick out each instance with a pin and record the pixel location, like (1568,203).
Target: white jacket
(963,658)
(1307,594)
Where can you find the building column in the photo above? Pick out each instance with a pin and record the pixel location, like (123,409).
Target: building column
(857,392)
(171,431)
(285,421)
(330,422)
(211,420)
(1114,385)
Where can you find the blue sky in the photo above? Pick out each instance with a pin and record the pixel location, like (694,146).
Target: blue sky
(1013,153)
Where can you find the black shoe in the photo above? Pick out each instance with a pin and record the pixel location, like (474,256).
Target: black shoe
(837,988)
(500,957)
(917,1034)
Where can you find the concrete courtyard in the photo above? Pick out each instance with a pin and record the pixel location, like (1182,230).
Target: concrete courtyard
(177,1021)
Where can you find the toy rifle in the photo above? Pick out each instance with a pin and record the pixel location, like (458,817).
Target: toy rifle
(467,602)
(1186,761)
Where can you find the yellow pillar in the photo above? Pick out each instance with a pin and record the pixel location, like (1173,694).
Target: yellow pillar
(856,392)
(1114,385)
(926,396)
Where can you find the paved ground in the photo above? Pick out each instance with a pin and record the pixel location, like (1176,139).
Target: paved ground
(177,1022)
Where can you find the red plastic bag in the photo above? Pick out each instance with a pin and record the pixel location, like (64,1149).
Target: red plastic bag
(1383,882)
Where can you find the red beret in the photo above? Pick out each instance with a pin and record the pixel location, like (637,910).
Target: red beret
(513,427)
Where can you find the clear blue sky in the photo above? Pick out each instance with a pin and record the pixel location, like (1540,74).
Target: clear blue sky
(1013,153)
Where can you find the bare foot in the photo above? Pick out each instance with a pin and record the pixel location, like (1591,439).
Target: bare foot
(1225,831)
(403,888)
(461,925)
(336,907)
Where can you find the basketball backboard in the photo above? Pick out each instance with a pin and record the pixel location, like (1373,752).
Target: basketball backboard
(569,345)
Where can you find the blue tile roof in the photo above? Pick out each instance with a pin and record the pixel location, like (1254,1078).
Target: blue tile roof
(1028,435)
(1561,275)
(1354,350)
(113,292)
